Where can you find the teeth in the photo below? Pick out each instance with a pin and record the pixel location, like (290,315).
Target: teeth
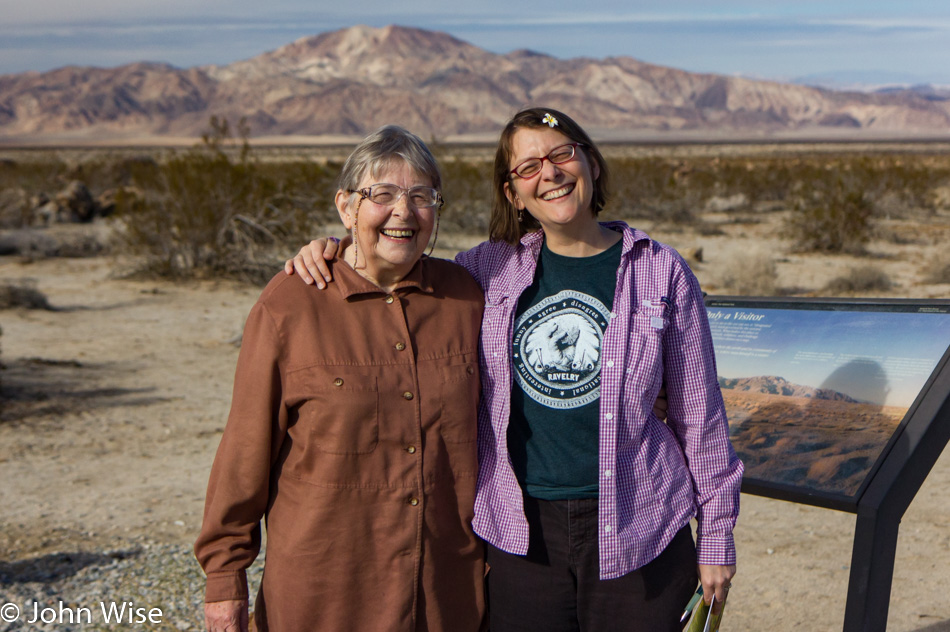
(550,195)
(390,232)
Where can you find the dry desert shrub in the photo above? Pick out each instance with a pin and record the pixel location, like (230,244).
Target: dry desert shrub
(43,189)
(938,271)
(466,188)
(749,274)
(835,196)
(14,208)
(39,172)
(665,191)
(914,181)
(206,213)
(22,294)
(87,240)
(217,209)
(860,280)
(24,184)
(831,214)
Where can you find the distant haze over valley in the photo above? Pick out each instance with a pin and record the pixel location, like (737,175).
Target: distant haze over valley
(345,83)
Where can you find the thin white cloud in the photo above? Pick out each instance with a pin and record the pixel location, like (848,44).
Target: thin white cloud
(158,28)
(36,12)
(469,23)
(926,24)
(792,42)
(589,18)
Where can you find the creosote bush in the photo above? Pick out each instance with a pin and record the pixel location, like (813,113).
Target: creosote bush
(669,192)
(831,217)
(833,204)
(860,280)
(22,294)
(466,188)
(218,209)
(835,197)
(938,271)
(205,213)
(750,274)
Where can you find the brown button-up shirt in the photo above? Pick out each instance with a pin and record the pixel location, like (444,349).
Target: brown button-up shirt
(352,432)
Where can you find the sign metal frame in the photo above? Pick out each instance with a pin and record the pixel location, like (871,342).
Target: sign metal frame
(895,477)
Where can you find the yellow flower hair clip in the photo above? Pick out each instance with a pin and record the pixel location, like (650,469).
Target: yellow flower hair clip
(550,120)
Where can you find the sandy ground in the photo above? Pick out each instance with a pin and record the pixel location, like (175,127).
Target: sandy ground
(117,399)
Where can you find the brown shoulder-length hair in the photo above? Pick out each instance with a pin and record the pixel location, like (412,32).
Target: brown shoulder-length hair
(504,224)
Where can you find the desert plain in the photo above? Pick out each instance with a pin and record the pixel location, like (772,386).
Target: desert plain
(114,400)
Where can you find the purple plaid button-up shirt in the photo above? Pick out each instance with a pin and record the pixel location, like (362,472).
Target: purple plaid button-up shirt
(654,476)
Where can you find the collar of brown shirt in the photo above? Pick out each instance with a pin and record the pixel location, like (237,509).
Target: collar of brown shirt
(351,283)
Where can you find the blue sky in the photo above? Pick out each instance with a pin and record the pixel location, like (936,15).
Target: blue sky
(884,358)
(871,41)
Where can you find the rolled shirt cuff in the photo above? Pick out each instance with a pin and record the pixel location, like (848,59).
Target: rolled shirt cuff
(226,585)
(719,550)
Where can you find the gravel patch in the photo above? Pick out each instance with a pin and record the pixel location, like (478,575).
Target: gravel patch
(70,590)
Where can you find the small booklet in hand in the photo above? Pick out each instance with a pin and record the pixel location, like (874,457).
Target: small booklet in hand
(701,617)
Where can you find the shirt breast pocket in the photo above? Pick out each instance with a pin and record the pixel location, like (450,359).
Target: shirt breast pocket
(645,361)
(460,387)
(337,410)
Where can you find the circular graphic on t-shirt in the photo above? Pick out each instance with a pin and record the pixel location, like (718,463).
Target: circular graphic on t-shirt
(556,349)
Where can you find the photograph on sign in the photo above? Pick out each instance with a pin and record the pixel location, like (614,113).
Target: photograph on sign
(815,391)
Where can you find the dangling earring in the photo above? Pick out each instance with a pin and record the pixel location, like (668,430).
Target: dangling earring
(438,214)
(356,252)
(435,237)
(520,215)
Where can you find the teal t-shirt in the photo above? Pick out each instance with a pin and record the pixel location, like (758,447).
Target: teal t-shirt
(553,434)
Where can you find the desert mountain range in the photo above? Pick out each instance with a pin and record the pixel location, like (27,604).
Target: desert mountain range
(775,385)
(348,82)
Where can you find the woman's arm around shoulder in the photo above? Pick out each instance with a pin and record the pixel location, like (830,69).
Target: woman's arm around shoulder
(310,263)
(484,261)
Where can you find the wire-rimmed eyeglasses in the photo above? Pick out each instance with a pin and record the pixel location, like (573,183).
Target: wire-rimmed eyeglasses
(386,194)
(532,166)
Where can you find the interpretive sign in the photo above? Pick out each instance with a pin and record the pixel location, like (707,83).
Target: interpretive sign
(839,404)
(816,391)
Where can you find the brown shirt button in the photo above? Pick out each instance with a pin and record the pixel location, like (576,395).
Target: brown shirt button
(411,449)
(338,381)
(389,299)
(469,370)
(407,395)
(400,346)
(413,501)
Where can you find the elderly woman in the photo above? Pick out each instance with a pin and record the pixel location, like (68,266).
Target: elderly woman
(584,494)
(352,427)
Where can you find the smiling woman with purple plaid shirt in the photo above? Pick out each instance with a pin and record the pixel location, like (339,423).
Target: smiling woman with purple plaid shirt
(584,495)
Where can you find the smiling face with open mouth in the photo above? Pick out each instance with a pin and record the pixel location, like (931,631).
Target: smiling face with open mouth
(560,195)
(389,239)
